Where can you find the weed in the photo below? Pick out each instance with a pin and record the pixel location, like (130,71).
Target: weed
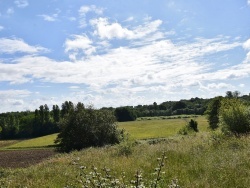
(103,178)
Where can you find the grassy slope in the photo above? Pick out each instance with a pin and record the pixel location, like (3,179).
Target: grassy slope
(197,161)
(40,142)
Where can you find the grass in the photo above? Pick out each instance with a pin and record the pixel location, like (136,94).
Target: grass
(196,161)
(204,159)
(40,142)
(158,128)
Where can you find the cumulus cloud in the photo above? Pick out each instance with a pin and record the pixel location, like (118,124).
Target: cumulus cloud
(21,3)
(106,30)
(16,45)
(78,44)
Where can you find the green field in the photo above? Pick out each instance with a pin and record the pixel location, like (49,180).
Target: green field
(159,128)
(143,129)
(204,159)
(41,142)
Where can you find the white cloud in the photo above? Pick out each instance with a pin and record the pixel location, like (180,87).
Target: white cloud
(248,2)
(21,3)
(79,44)
(1,28)
(160,63)
(84,10)
(106,30)
(15,45)
(129,19)
(13,99)
(246,45)
(74,87)
(49,18)
(92,8)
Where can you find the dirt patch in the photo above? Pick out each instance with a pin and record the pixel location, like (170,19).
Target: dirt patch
(24,158)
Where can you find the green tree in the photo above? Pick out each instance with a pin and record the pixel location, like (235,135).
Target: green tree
(56,113)
(125,114)
(85,127)
(212,112)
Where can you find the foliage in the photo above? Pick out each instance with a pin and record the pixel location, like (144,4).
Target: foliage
(190,127)
(212,112)
(105,178)
(85,127)
(234,116)
(193,125)
(125,114)
(192,159)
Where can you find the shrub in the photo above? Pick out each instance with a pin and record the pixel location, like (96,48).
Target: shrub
(83,128)
(193,125)
(190,127)
(234,116)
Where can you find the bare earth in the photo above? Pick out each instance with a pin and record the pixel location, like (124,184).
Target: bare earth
(24,158)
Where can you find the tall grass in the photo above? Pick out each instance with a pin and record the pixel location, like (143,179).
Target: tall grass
(196,161)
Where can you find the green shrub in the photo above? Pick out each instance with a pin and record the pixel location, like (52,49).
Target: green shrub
(83,128)
(234,116)
(190,127)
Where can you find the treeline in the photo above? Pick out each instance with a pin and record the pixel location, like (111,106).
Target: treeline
(195,106)
(42,121)
(45,121)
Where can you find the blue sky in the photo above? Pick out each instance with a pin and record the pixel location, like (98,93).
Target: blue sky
(115,53)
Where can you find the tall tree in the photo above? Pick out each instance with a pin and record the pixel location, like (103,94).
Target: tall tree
(212,112)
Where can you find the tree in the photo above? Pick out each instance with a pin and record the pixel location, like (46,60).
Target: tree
(234,116)
(212,112)
(83,128)
(67,106)
(125,114)
(56,113)
(179,105)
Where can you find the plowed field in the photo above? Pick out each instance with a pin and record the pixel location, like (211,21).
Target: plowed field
(24,158)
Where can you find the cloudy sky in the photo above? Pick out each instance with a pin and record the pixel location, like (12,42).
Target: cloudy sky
(115,53)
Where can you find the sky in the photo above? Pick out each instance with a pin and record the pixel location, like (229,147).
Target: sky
(117,53)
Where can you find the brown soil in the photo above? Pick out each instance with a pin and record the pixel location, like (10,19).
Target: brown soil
(24,158)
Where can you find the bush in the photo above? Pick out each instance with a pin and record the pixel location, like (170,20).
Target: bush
(190,127)
(234,116)
(83,128)
(193,125)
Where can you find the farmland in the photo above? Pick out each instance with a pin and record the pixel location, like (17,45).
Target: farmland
(204,159)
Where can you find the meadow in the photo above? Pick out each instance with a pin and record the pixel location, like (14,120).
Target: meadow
(204,159)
